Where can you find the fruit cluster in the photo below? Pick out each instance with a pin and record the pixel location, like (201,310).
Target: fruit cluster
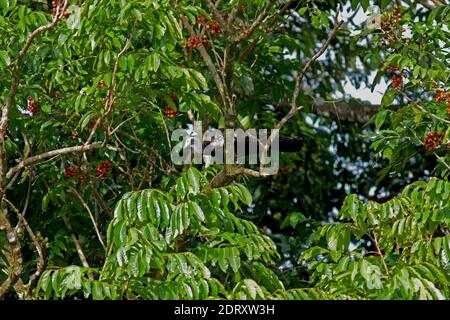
(391,26)
(70,172)
(57,6)
(101,84)
(433,140)
(81,178)
(213,26)
(32,105)
(397,81)
(103,169)
(194,42)
(55,95)
(169,112)
(442,96)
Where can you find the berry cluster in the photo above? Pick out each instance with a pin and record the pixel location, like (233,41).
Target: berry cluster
(201,20)
(81,178)
(391,27)
(442,96)
(169,112)
(70,172)
(32,105)
(213,26)
(101,84)
(433,140)
(103,169)
(397,81)
(194,42)
(55,95)
(58,7)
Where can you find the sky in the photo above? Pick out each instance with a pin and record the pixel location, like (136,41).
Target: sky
(363,92)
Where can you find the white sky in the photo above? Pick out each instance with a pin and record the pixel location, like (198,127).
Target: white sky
(363,92)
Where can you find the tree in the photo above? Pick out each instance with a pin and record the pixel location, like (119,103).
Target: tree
(88,86)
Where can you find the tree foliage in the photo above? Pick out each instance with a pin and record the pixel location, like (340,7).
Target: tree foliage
(92,206)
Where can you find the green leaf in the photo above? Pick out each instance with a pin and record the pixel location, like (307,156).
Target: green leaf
(194,179)
(302,11)
(198,212)
(380,118)
(388,98)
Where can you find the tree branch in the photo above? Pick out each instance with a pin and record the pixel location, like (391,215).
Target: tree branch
(259,19)
(42,262)
(75,241)
(207,60)
(110,96)
(39,158)
(14,257)
(300,76)
(94,223)
(375,241)
(13,88)
(298,81)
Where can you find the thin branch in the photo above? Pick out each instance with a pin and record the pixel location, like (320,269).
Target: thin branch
(288,116)
(377,246)
(256,23)
(425,111)
(100,200)
(213,7)
(125,146)
(207,60)
(27,200)
(294,109)
(122,123)
(298,81)
(75,241)
(166,129)
(442,160)
(110,95)
(94,223)
(250,47)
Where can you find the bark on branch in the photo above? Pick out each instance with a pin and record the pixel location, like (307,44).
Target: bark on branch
(41,157)
(42,261)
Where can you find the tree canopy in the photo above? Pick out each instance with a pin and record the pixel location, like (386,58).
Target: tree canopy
(93,207)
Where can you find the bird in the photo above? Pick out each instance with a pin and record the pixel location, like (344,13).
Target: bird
(285,143)
(216,142)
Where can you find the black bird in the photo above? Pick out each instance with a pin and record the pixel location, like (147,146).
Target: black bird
(290,144)
(286,144)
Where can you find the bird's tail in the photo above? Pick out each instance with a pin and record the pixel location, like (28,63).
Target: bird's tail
(290,144)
